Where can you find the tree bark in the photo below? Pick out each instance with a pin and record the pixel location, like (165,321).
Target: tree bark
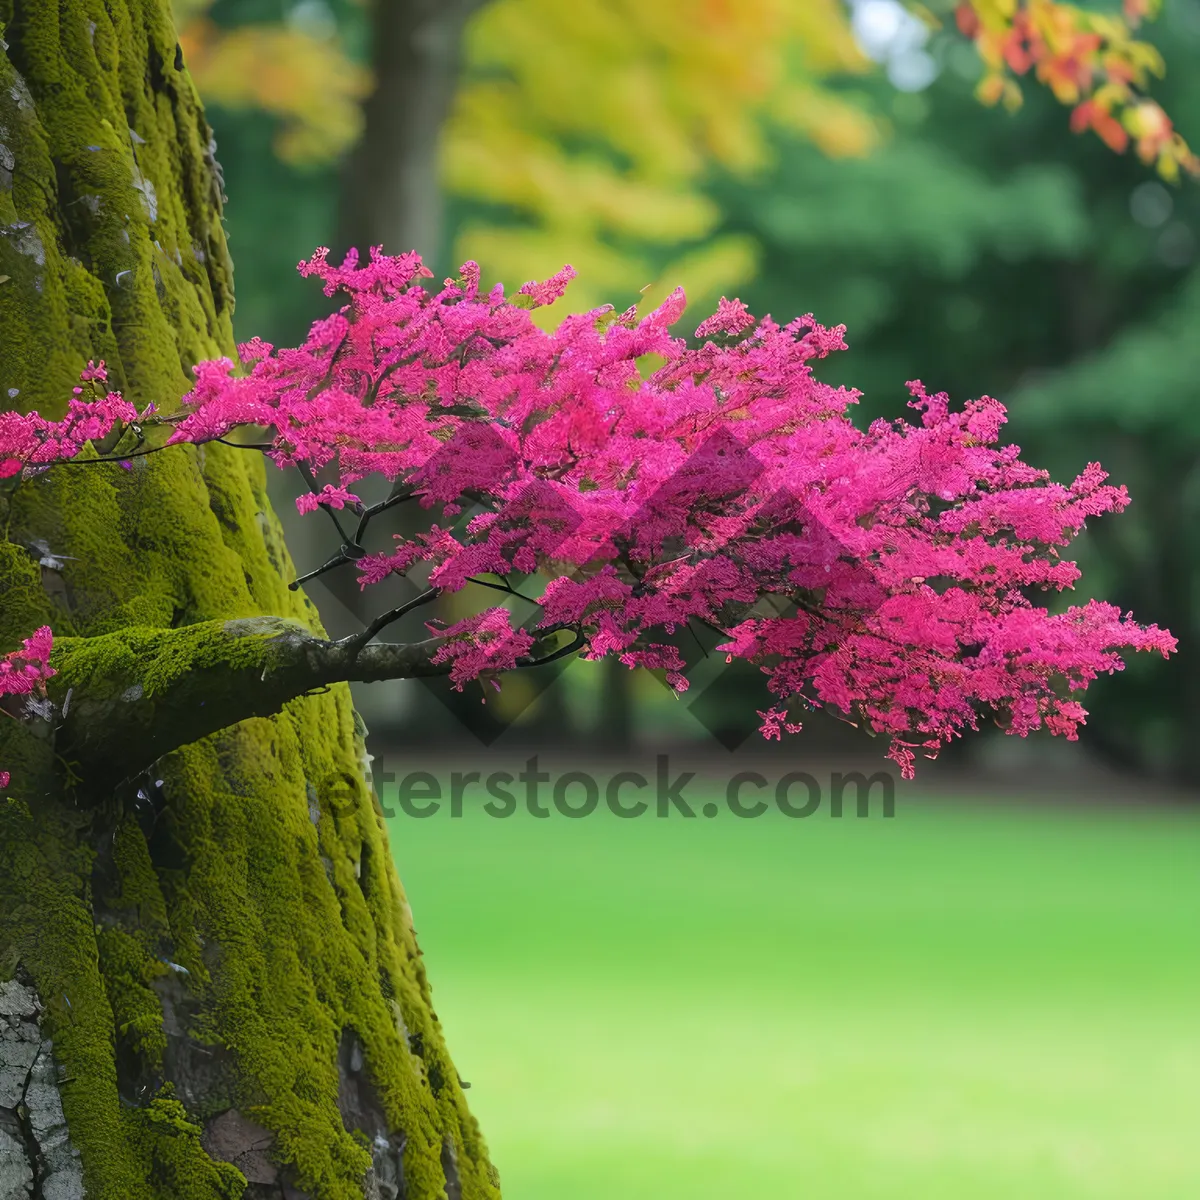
(391,195)
(209,982)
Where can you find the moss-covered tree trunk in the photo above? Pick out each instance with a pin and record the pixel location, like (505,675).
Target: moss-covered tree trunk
(209,984)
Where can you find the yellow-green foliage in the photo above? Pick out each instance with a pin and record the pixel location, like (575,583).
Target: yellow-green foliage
(291,932)
(599,122)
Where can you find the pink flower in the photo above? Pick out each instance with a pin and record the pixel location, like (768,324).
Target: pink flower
(334,497)
(486,644)
(24,672)
(29,440)
(549,291)
(732,317)
(775,723)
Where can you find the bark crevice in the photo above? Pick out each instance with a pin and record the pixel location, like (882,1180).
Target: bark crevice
(37,1159)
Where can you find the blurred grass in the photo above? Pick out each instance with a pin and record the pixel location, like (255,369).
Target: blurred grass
(965,1001)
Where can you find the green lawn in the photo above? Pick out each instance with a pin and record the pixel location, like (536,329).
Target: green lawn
(960,1003)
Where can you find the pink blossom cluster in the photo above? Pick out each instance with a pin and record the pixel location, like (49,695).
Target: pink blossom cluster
(482,646)
(29,442)
(25,671)
(333,497)
(635,486)
(886,573)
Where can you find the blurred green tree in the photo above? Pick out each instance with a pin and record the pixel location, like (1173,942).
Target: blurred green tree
(1061,278)
(284,98)
(590,130)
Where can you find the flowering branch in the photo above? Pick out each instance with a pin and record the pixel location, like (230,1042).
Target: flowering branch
(885,573)
(123,700)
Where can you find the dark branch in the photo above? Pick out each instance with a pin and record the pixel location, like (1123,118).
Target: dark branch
(388,618)
(504,587)
(398,496)
(140,693)
(329,564)
(576,643)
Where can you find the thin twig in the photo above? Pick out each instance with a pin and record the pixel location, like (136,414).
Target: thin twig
(357,641)
(310,479)
(264,446)
(91,462)
(504,587)
(336,561)
(375,509)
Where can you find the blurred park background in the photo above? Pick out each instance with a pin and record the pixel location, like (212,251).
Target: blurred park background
(992,994)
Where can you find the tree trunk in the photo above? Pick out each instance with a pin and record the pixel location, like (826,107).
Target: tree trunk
(390,190)
(391,195)
(615,725)
(209,982)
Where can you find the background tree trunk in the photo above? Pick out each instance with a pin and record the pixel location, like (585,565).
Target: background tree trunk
(391,195)
(209,982)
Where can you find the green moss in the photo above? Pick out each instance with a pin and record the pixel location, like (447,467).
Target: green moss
(127,969)
(170,1145)
(25,605)
(156,660)
(138,889)
(292,933)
